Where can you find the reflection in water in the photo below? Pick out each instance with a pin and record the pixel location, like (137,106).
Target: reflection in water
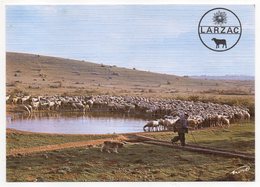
(76,123)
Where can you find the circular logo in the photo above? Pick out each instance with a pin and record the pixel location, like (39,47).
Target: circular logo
(219,29)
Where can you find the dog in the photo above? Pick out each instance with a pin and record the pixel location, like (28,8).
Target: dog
(111,146)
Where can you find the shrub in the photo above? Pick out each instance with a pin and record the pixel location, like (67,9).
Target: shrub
(194,98)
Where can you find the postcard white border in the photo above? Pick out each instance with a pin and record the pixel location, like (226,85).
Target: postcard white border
(120,2)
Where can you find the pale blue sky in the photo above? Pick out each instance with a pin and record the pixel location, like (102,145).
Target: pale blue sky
(158,38)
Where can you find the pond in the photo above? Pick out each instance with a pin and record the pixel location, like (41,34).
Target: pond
(77,123)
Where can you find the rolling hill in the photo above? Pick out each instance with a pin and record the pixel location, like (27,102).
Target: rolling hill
(37,74)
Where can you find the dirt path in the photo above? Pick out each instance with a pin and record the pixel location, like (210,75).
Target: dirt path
(131,138)
(30,150)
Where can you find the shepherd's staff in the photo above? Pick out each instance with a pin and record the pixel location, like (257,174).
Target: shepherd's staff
(193,137)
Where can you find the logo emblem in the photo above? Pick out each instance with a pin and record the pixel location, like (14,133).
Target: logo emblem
(219,29)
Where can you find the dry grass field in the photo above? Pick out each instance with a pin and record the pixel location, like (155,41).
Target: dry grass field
(50,75)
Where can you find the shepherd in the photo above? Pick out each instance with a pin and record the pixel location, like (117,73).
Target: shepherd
(181,127)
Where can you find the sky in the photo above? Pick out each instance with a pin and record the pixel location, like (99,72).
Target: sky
(157,38)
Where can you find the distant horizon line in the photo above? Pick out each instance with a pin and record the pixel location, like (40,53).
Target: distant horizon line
(183,75)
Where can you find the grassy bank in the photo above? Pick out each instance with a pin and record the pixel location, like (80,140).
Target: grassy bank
(19,139)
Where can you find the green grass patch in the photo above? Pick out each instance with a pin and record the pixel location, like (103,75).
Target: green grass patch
(239,137)
(16,140)
(135,162)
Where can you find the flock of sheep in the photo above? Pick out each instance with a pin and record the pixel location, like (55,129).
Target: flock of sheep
(194,122)
(165,110)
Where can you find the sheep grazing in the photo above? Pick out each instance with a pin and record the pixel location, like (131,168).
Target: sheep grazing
(51,105)
(201,114)
(193,124)
(35,105)
(15,100)
(90,102)
(246,115)
(151,126)
(25,99)
(170,123)
(166,123)
(7,98)
(28,108)
(223,121)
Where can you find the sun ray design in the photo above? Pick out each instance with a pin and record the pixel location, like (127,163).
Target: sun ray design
(220,18)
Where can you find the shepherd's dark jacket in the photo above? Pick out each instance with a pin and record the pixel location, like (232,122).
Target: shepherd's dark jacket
(184,126)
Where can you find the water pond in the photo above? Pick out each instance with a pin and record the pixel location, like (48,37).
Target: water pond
(77,123)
